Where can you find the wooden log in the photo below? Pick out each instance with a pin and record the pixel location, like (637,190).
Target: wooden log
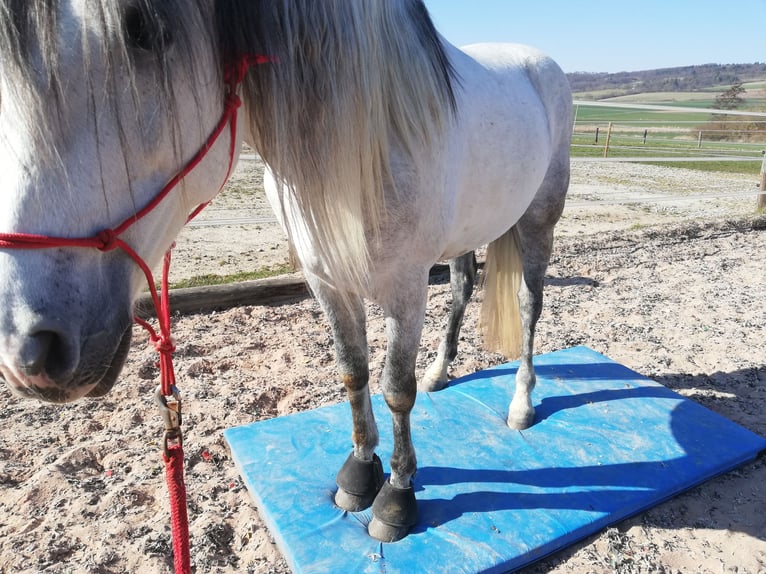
(271,291)
(279,290)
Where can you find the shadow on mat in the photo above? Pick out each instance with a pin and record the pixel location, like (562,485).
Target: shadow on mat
(605,489)
(592,371)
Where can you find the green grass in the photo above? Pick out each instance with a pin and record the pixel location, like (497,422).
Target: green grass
(214,279)
(598,115)
(667,97)
(749,168)
(630,145)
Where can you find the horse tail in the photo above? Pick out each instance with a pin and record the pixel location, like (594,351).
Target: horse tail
(500,319)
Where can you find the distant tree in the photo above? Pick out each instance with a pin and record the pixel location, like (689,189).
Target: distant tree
(720,128)
(730,99)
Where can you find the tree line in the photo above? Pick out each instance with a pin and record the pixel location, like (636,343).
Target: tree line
(729,77)
(681,79)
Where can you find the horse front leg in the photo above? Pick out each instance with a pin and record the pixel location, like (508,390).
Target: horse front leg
(395,509)
(361,476)
(462,280)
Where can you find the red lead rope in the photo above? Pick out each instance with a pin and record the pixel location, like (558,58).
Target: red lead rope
(167,395)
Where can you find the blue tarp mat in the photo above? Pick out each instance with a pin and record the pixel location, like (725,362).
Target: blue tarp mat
(607,443)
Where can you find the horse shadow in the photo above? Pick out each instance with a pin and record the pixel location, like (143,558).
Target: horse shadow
(597,488)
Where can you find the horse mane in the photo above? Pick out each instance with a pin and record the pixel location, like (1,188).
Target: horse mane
(123,35)
(354,86)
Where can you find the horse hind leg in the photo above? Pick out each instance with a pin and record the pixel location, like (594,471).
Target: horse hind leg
(462,281)
(535,236)
(521,413)
(361,476)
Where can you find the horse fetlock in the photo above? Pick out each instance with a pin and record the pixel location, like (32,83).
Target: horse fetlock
(358,481)
(526,379)
(365,443)
(394,513)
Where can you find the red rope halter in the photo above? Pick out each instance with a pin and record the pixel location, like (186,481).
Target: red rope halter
(108,240)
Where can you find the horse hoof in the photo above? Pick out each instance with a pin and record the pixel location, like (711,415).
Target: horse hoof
(431,386)
(386,532)
(394,513)
(434,379)
(358,483)
(520,423)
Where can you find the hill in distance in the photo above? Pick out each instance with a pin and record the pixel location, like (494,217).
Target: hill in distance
(706,77)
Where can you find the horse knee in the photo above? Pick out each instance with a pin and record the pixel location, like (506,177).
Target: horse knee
(400,401)
(354,382)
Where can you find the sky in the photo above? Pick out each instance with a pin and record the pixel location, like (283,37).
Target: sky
(613,35)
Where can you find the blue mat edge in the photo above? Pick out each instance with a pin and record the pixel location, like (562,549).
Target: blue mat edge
(594,528)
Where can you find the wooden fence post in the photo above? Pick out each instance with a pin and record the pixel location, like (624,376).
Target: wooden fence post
(608,138)
(761,204)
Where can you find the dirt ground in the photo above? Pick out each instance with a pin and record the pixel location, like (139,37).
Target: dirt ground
(672,286)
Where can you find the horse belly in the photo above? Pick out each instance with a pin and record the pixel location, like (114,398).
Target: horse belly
(488,212)
(503,147)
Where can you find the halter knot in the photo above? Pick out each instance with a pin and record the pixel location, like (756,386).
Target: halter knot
(108,240)
(164,345)
(233,101)
(236,70)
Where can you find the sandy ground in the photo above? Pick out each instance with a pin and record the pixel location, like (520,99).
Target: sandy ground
(672,288)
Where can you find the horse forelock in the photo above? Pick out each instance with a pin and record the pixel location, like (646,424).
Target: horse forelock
(112,35)
(354,84)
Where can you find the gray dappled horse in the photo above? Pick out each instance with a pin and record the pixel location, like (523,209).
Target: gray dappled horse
(387,149)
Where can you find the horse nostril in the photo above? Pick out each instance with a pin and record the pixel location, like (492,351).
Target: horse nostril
(35,353)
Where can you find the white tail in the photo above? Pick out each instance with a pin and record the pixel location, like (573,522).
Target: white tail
(500,320)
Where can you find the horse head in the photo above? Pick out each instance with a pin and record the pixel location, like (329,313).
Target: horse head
(101,103)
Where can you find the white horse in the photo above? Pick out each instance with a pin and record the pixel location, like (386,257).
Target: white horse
(388,149)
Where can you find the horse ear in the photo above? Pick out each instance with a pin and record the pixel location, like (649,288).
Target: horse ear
(145,31)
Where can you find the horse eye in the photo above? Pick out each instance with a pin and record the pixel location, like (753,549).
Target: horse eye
(145,33)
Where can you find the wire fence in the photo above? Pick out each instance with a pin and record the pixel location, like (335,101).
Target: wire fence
(651,133)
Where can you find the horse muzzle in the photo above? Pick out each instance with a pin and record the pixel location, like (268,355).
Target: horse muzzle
(50,368)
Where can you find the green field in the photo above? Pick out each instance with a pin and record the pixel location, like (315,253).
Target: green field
(585,114)
(650,133)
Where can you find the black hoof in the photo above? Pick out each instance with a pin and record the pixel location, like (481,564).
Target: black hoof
(394,512)
(358,483)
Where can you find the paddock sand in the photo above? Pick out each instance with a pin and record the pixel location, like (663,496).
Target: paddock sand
(674,290)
